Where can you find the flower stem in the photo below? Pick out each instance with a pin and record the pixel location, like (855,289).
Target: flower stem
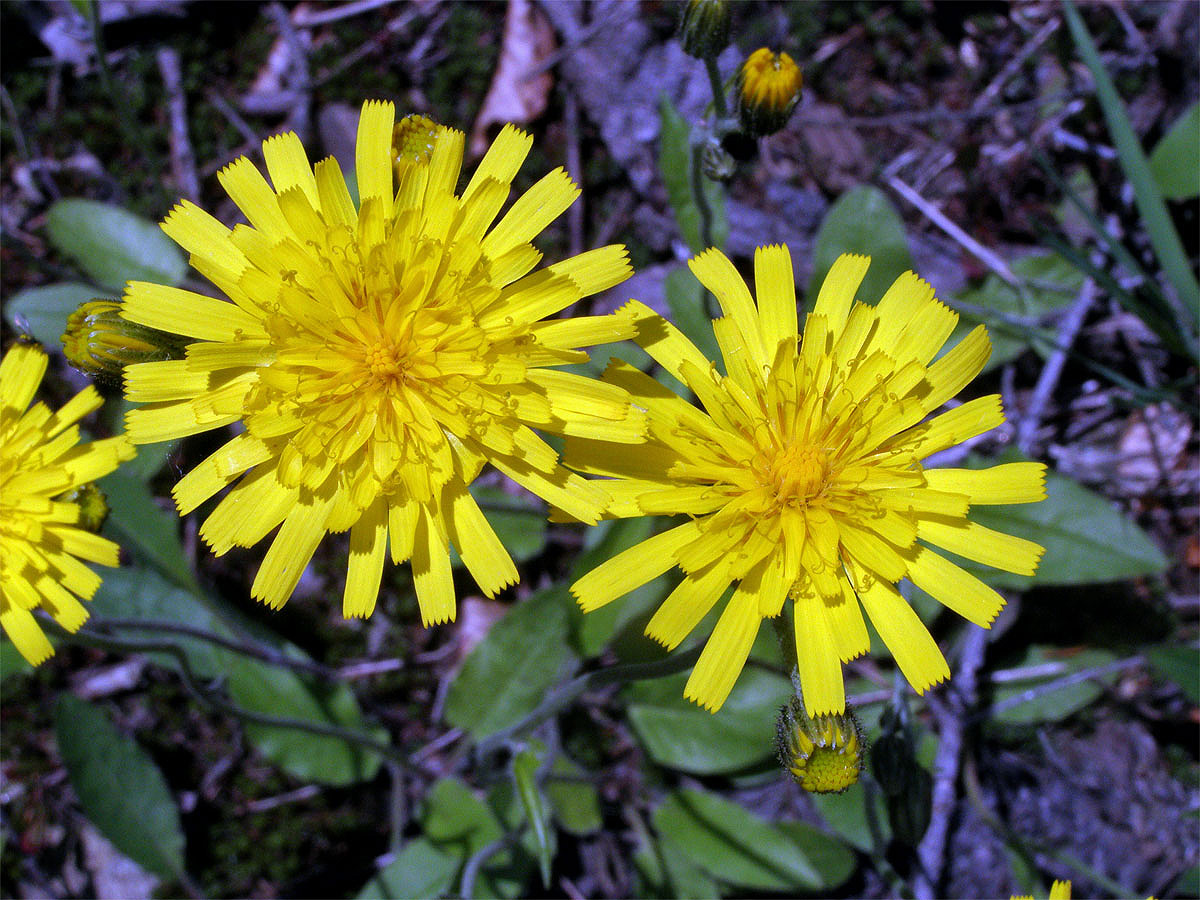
(718,87)
(561,698)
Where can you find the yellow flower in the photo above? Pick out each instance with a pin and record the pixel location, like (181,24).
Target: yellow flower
(378,357)
(768,90)
(1060,890)
(802,476)
(41,459)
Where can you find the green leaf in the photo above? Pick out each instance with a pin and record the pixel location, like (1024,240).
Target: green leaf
(121,790)
(460,823)
(1188,884)
(141,594)
(509,672)
(1163,237)
(1087,539)
(574,800)
(688,302)
(43,311)
(681,735)
(11,661)
(524,768)
(1055,705)
(141,525)
(1052,284)
(1175,161)
(275,691)
(1180,665)
(112,245)
(862,220)
(847,814)
(675,166)
(680,876)
(420,870)
(735,846)
(830,857)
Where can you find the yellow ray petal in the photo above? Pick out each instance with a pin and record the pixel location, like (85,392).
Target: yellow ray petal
(632,568)
(291,551)
(725,653)
(915,651)
(983,545)
(1019,482)
(838,289)
(432,577)
(687,604)
(775,284)
(817,658)
(954,587)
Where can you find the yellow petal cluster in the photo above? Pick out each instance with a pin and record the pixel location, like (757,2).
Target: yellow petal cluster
(42,464)
(376,355)
(801,476)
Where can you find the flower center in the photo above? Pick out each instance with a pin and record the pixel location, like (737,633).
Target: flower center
(798,473)
(385,362)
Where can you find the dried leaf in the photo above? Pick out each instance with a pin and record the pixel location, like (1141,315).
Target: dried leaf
(516,95)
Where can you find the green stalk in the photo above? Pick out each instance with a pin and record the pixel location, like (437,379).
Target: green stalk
(1163,236)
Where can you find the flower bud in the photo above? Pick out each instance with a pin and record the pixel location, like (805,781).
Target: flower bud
(99,343)
(704,28)
(823,754)
(716,163)
(768,89)
(93,507)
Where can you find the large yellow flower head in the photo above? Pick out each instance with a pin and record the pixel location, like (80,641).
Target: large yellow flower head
(41,547)
(802,476)
(378,356)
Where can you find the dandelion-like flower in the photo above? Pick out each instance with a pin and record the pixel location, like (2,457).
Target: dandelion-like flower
(768,89)
(42,467)
(802,476)
(378,356)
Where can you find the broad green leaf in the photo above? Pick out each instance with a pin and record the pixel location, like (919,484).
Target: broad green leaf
(112,245)
(681,876)
(830,857)
(145,595)
(1051,284)
(121,790)
(11,661)
(420,870)
(675,166)
(733,845)
(687,300)
(142,594)
(510,671)
(862,220)
(1087,539)
(1180,665)
(680,735)
(460,823)
(1175,161)
(1038,705)
(141,525)
(275,691)
(524,768)
(43,311)
(574,801)
(847,814)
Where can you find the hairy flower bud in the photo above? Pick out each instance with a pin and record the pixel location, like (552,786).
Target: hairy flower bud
(100,343)
(768,89)
(704,28)
(823,754)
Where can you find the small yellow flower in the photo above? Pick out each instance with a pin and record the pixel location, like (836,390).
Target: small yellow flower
(768,90)
(41,545)
(99,343)
(1060,890)
(801,477)
(379,357)
(823,754)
